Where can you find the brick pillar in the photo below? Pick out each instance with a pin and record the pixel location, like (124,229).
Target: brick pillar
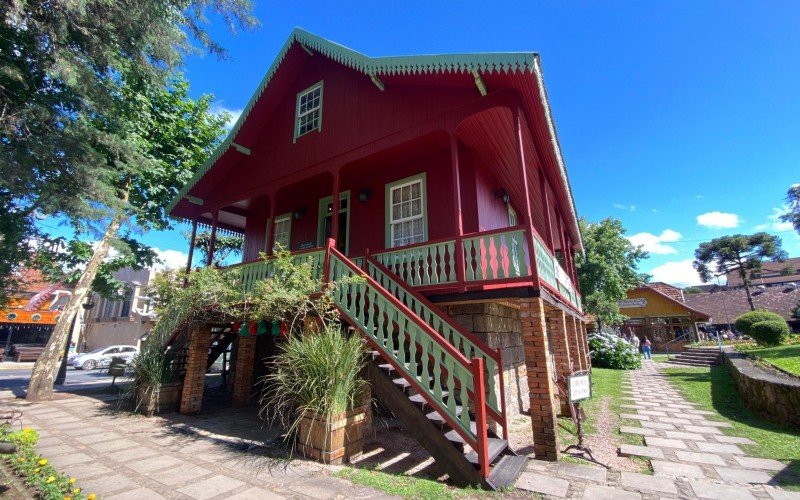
(243,373)
(559,344)
(195,378)
(540,380)
(577,344)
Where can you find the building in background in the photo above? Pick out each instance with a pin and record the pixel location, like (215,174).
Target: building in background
(121,322)
(32,313)
(659,312)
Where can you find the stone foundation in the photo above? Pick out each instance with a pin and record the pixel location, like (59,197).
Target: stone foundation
(772,396)
(498,325)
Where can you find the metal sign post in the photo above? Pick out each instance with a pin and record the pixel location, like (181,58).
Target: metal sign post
(579,387)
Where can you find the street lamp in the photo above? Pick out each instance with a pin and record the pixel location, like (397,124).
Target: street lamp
(62,370)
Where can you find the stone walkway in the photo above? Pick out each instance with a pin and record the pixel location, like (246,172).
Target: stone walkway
(690,453)
(121,456)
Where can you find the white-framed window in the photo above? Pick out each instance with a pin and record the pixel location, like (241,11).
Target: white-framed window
(512,216)
(283,231)
(406,200)
(309,111)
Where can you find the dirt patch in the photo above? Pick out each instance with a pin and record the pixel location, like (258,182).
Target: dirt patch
(606,441)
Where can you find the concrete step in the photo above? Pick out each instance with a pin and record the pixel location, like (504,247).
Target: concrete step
(691,363)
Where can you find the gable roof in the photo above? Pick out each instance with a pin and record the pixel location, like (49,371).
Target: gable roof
(726,305)
(505,62)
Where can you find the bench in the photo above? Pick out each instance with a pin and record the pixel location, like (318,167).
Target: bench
(27,353)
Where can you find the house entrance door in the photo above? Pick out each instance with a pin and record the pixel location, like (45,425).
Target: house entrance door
(325,228)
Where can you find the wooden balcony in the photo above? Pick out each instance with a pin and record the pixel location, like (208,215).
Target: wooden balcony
(487,260)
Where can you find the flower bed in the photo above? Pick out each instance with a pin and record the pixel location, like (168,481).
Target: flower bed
(43,480)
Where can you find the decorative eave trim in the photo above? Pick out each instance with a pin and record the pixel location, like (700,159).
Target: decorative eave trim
(537,70)
(507,62)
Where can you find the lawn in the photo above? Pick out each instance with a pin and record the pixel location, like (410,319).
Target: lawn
(405,486)
(785,357)
(715,390)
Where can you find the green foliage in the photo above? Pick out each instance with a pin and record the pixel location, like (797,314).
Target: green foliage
(225,245)
(745,322)
(796,311)
(741,253)
(770,332)
(793,200)
(692,290)
(785,357)
(317,372)
(613,353)
(608,269)
(36,471)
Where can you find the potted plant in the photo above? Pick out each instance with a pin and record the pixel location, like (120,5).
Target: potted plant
(316,391)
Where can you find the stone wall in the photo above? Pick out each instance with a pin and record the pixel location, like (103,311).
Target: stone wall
(498,325)
(776,397)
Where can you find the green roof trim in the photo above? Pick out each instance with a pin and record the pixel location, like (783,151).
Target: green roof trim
(400,65)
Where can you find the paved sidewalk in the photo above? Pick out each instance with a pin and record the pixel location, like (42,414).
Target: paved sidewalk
(123,456)
(691,455)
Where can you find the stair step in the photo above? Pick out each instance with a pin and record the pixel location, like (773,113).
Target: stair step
(507,471)
(405,386)
(496,447)
(454,437)
(419,400)
(439,421)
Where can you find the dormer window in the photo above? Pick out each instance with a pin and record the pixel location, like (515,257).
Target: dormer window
(309,111)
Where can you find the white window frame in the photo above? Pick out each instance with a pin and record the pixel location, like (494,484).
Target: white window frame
(282,218)
(391,222)
(298,116)
(512,216)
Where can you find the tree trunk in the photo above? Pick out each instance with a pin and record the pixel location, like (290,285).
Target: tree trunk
(43,374)
(746,283)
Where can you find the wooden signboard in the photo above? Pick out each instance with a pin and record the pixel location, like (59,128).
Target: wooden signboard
(579,386)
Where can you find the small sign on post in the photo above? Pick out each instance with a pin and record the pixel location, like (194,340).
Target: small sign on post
(579,386)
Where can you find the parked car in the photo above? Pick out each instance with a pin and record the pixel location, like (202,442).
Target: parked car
(101,358)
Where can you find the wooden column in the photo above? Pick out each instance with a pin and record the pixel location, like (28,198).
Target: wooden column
(548,223)
(540,381)
(243,373)
(558,331)
(271,231)
(523,172)
(587,360)
(194,380)
(459,221)
(212,241)
(191,252)
(335,211)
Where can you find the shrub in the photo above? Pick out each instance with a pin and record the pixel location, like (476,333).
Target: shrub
(609,351)
(746,321)
(770,332)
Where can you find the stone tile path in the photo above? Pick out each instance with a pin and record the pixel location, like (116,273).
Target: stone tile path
(690,453)
(120,456)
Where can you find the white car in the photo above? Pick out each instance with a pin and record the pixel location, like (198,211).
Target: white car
(101,358)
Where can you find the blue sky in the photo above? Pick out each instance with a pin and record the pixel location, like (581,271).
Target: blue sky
(665,111)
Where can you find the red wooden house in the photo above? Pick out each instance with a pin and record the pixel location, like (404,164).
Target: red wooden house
(452,196)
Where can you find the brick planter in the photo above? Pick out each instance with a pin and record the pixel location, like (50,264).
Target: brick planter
(333,441)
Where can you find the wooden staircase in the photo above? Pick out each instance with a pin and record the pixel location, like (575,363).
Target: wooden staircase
(429,372)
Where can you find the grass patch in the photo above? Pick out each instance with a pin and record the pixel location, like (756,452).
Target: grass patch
(405,486)
(661,358)
(715,390)
(785,357)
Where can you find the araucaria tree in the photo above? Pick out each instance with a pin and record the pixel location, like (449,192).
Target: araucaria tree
(793,199)
(96,124)
(740,253)
(608,269)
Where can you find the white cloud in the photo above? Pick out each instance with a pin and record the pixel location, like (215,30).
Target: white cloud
(234,114)
(718,220)
(629,208)
(655,243)
(678,273)
(171,259)
(775,223)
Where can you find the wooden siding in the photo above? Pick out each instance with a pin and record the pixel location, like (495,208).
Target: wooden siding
(657,305)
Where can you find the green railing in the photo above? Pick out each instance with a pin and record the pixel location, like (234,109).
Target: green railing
(436,370)
(421,265)
(251,272)
(551,272)
(456,336)
(495,255)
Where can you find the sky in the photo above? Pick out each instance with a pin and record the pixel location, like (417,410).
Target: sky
(682,119)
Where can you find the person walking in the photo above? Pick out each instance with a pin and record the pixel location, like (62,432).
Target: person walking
(635,341)
(646,348)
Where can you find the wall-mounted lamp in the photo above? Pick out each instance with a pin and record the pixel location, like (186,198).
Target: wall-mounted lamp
(364,194)
(502,194)
(299,213)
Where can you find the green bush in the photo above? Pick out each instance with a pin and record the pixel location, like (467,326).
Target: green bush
(745,322)
(770,332)
(613,352)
